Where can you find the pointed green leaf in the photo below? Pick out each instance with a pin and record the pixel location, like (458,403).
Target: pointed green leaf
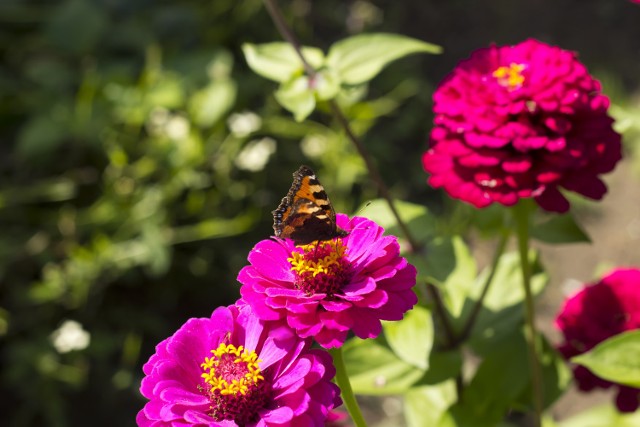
(602,416)
(502,311)
(208,105)
(460,283)
(296,97)
(560,229)
(499,380)
(374,369)
(423,406)
(416,217)
(615,359)
(279,61)
(411,338)
(360,58)
(326,85)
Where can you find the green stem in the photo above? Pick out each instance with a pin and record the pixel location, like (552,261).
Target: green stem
(348,397)
(521,217)
(471,320)
(287,34)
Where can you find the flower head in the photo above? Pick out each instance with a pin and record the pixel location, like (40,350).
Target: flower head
(517,122)
(326,289)
(598,312)
(234,370)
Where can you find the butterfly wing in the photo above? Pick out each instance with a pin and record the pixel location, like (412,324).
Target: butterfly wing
(305,213)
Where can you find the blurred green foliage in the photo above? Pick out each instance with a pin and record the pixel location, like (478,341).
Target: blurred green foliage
(141,159)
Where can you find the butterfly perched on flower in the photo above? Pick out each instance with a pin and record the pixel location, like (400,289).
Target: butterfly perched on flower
(305,213)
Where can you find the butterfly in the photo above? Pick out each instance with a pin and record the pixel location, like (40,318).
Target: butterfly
(305,213)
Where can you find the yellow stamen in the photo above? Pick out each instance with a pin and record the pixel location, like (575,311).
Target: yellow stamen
(301,265)
(248,358)
(510,77)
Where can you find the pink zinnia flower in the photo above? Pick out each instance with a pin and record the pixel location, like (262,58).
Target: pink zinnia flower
(233,370)
(328,288)
(521,121)
(598,312)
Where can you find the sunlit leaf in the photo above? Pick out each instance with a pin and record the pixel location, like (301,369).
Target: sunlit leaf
(460,282)
(208,105)
(296,97)
(417,217)
(374,369)
(360,58)
(412,337)
(502,310)
(425,405)
(615,359)
(279,61)
(602,416)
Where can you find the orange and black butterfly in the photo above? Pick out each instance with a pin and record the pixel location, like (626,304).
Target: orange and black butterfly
(305,214)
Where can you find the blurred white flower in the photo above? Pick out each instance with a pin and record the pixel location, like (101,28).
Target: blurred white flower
(314,145)
(177,127)
(243,124)
(70,336)
(158,118)
(255,155)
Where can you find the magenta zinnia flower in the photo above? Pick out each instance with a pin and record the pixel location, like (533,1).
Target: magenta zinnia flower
(328,288)
(598,312)
(233,370)
(521,121)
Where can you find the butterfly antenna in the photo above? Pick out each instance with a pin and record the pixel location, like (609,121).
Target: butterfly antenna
(366,205)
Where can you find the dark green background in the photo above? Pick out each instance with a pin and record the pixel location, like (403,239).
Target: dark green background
(131,233)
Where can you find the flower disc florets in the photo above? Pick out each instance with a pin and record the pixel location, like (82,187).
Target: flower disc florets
(234,370)
(595,313)
(320,267)
(326,289)
(521,121)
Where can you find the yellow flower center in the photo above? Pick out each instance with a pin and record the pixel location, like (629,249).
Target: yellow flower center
(320,267)
(231,370)
(305,265)
(510,77)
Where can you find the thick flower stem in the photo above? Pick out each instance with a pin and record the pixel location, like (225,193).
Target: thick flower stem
(521,217)
(342,379)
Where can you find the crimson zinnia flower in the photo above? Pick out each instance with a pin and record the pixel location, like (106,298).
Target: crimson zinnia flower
(597,312)
(232,370)
(517,122)
(326,289)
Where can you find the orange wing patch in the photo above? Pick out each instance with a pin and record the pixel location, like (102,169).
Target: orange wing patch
(305,213)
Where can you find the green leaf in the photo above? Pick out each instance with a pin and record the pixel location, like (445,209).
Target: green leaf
(208,105)
(360,58)
(615,359)
(498,381)
(279,61)
(296,97)
(411,338)
(556,375)
(326,85)
(502,310)
(460,283)
(374,369)
(443,366)
(417,217)
(423,406)
(560,229)
(41,135)
(602,416)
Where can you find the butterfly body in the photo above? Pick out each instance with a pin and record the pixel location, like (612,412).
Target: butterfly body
(305,213)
